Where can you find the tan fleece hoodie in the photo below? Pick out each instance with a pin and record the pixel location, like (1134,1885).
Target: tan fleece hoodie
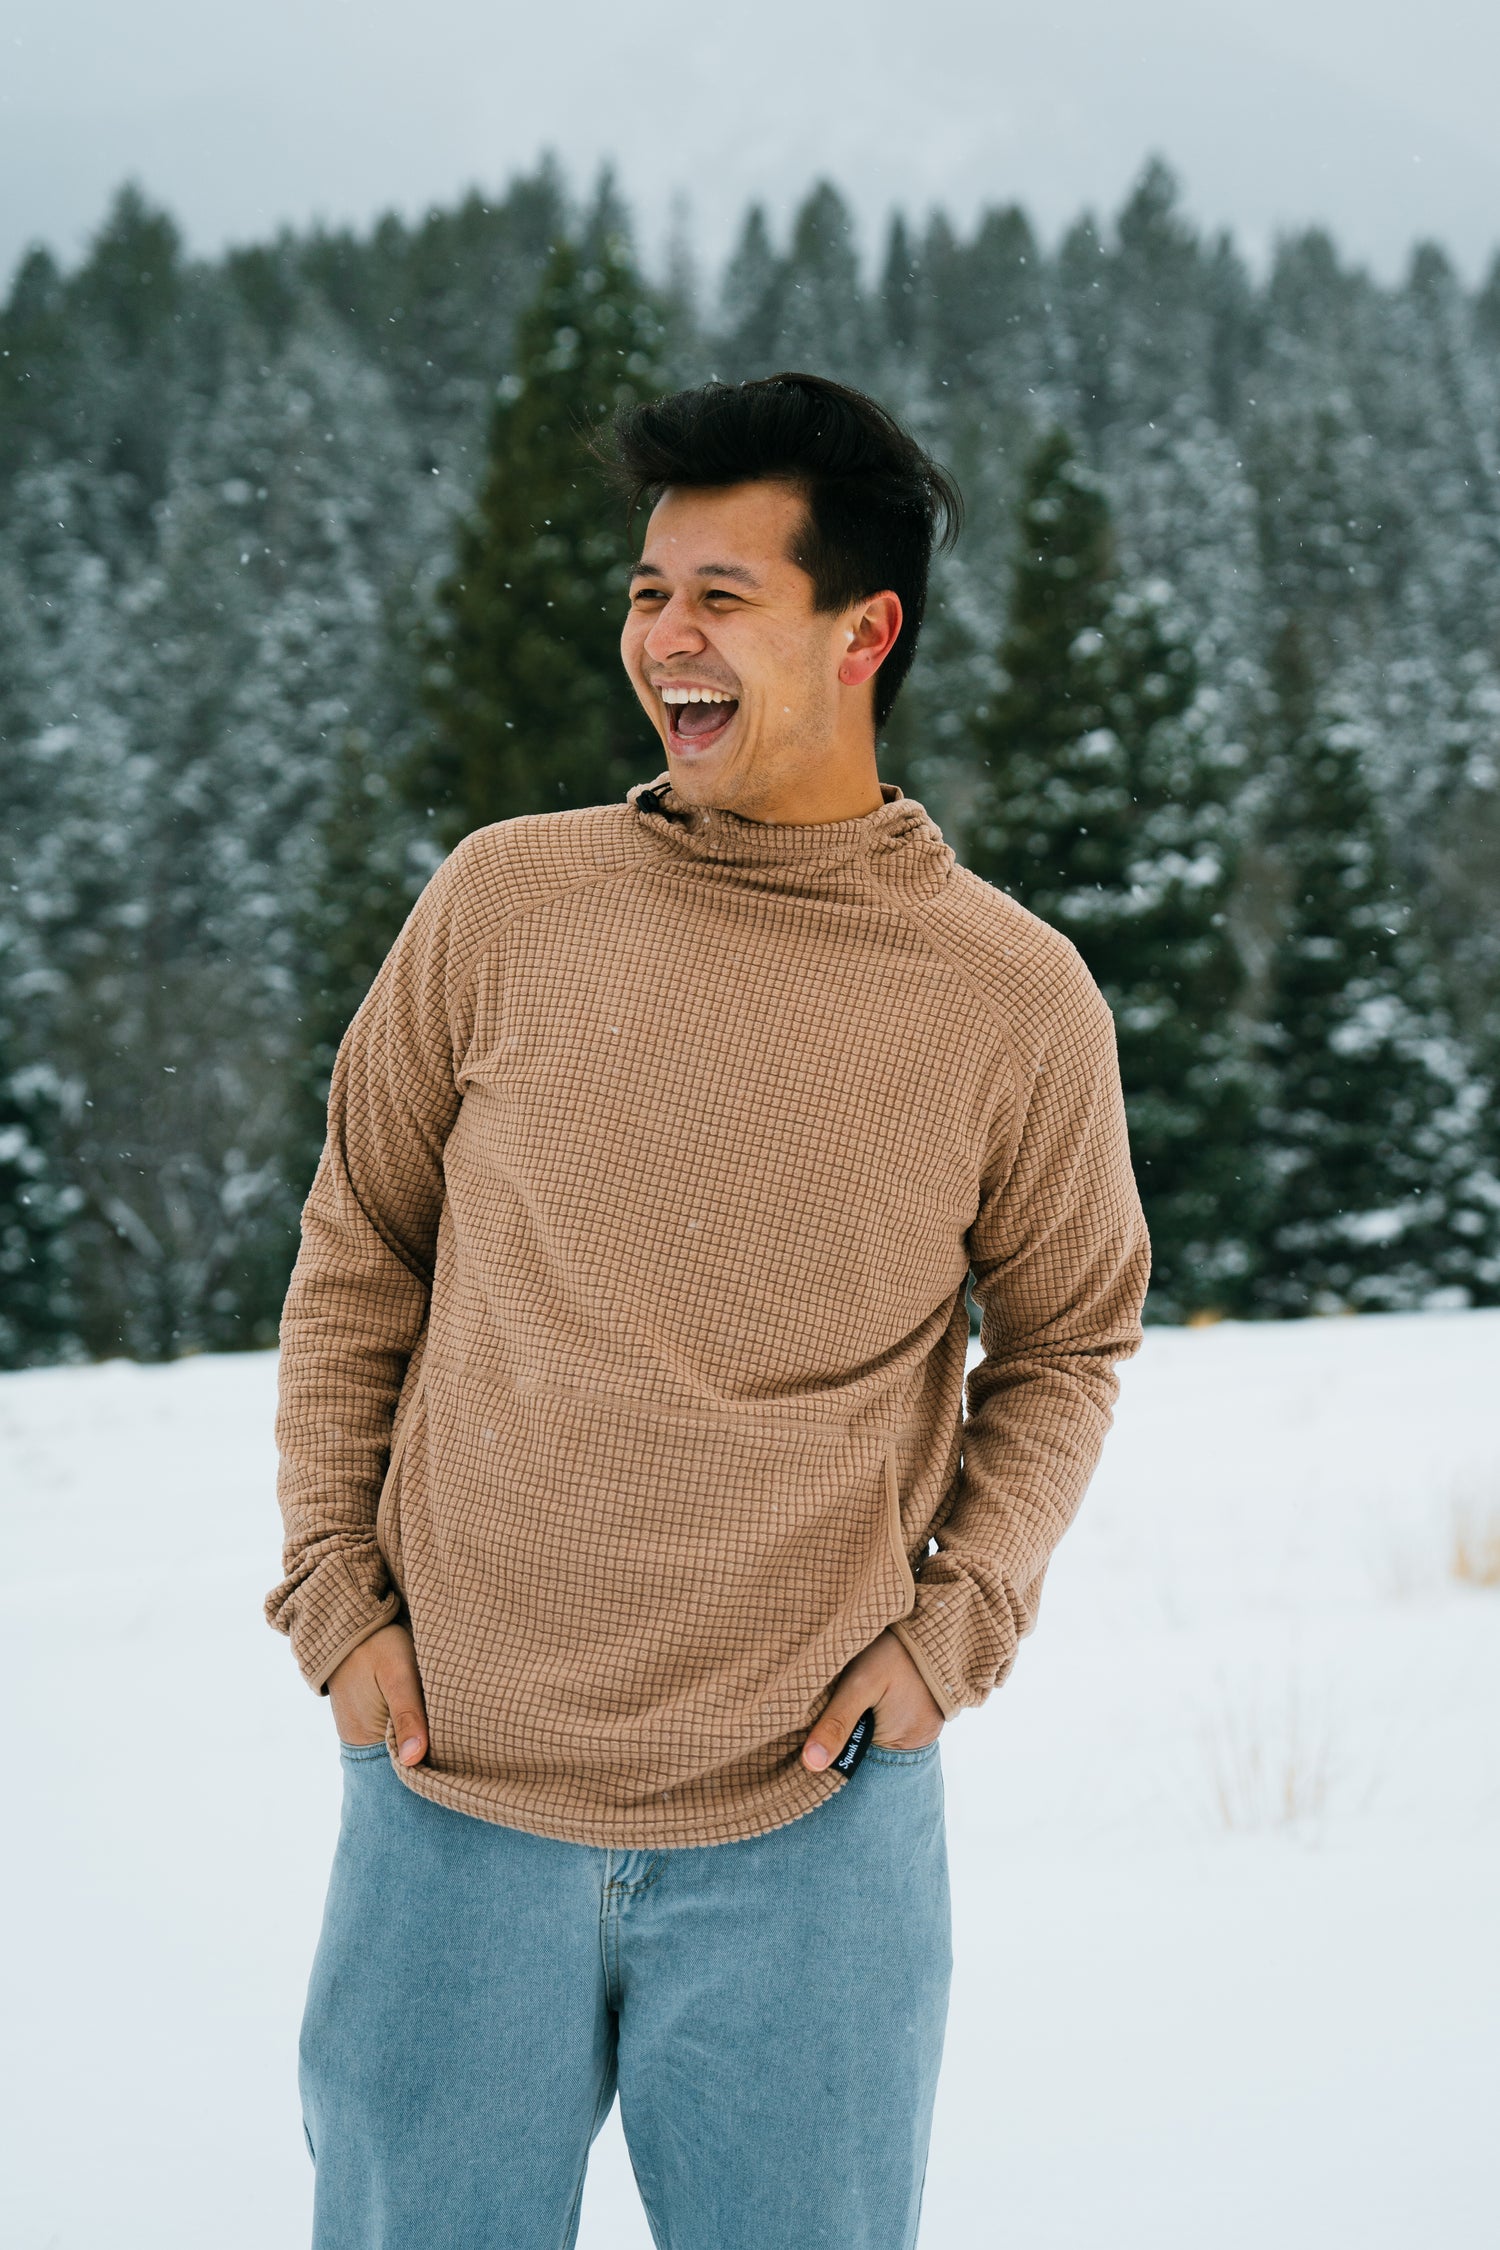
(624,1353)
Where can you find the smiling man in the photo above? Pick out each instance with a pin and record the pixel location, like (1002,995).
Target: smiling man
(634,1524)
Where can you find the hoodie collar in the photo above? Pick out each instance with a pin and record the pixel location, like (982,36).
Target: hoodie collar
(897,844)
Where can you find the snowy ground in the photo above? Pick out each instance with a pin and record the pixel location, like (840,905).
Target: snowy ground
(1226,1851)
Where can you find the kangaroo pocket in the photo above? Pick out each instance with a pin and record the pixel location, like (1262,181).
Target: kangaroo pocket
(583,1571)
(388,1513)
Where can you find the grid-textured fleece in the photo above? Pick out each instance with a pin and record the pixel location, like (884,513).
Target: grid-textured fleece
(624,1354)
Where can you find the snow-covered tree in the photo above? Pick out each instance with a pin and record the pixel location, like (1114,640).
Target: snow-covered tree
(807,309)
(228,488)
(1379,1196)
(527,704)
(1107,813)
(37,1315)
(369,858)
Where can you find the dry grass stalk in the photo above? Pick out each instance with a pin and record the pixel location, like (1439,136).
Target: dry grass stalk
(1474,1554)
(1269,1768)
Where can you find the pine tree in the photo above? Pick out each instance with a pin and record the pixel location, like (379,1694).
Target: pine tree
(71,894)
(749,303)
(825,321)
(228,488)
(1160,332)
(36,347)
(678,302)
(37,1318)
(529,709)
(129,304)
(348,920)
(436,305)
(37,1314)
(978,298)
(1082,358)
(1235,333)
(1107,813)
(807,309)
(1379,1197)
(900,289)
(1487,307)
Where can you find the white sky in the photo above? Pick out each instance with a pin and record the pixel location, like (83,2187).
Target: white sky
(1376,117)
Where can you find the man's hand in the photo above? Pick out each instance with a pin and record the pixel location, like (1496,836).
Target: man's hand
(376,1683)
(883,1675)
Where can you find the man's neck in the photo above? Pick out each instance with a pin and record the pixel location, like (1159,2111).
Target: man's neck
(841,789)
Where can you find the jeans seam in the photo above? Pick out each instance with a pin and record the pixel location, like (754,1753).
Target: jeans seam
(609,1939)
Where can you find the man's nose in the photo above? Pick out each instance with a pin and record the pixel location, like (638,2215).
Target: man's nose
(673,632)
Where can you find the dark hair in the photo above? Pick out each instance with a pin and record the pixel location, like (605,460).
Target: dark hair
(876,503)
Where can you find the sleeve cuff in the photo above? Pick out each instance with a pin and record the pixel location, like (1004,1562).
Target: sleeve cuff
(328,1613)
(327,1663)
(942,1695)
(956,1641)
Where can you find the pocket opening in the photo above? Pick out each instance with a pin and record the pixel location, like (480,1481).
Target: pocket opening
(388,1507)
(893,1526)
(882,1755)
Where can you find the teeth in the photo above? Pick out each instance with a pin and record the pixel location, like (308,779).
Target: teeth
(694,695)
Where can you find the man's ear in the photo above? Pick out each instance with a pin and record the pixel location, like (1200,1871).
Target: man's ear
(869,636)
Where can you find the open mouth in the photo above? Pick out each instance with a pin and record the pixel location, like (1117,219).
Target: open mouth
(697,717)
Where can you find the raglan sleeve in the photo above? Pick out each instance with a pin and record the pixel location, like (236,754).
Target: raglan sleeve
(359,1294)
(1060,1260)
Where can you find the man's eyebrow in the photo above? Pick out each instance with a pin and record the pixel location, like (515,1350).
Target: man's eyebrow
(736,571)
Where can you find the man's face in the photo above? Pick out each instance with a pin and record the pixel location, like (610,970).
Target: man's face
(736,670)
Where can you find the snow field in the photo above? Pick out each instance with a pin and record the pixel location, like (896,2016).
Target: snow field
(1225,1850)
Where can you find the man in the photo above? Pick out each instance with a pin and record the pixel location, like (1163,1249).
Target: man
(625,1472)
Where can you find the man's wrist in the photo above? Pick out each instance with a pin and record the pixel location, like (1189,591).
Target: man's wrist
(943,1694)
(389,1615)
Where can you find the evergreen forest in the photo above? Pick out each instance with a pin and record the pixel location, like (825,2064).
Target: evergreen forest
(305,571)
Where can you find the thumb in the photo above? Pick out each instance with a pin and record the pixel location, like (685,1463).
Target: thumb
(400,1683)
(833,1729)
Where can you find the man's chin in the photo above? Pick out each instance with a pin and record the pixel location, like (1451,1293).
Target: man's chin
(706,778)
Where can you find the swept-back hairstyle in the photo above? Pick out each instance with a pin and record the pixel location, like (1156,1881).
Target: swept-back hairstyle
(876,503)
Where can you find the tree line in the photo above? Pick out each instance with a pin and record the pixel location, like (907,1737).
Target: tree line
(305,571)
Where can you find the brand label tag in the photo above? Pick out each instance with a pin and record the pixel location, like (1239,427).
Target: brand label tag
(861,1735)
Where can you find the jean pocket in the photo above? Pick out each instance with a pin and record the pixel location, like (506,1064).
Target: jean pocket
(876,1755)
(358,1751)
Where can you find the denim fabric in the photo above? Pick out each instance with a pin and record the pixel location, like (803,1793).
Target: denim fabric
(771,2011)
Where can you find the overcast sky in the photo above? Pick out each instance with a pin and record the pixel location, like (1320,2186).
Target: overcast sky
(1376,117)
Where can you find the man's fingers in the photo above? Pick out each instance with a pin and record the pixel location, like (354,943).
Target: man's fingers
(411,1737)
(833,1729)
(359,1711)
(402,1689)
(884,1679)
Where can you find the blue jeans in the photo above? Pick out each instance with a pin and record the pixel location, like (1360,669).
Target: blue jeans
(771,2012)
